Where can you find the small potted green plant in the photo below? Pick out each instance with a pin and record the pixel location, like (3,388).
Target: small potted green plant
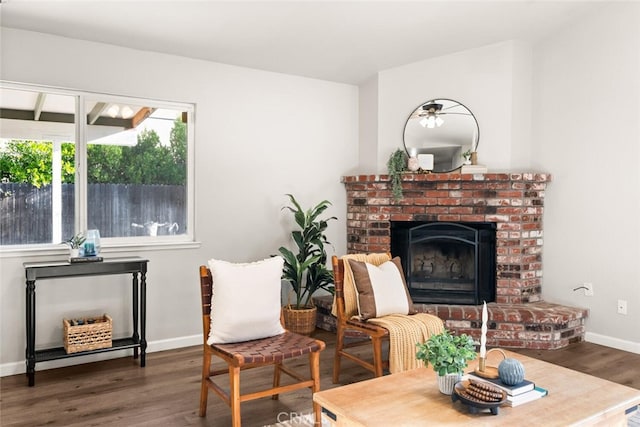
(449,355)
(74,243)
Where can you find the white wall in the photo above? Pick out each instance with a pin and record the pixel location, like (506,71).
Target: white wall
(368,126)
(521,137)
(587,134)
(482,79)
(259,135)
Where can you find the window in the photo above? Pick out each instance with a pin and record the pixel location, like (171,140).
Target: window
(135,187)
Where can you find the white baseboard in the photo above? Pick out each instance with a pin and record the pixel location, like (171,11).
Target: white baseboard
(630,346)
(14,368)
(170,344)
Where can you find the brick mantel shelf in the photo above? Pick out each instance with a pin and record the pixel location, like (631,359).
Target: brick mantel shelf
(515,203)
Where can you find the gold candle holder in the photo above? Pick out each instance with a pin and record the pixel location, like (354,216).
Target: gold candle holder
(482,364)
(485,371)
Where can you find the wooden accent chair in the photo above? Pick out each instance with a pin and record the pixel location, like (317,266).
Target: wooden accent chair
(249,354)
(374,334)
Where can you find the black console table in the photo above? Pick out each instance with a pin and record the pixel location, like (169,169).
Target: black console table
(50,270)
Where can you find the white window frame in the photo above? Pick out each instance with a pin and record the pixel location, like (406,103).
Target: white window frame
(113,244)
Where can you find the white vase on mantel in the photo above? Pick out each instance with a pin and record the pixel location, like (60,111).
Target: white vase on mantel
(74,252)
(447,382)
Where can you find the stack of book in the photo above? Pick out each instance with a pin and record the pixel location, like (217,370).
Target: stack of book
(518,394)
(79,259)
(473,169)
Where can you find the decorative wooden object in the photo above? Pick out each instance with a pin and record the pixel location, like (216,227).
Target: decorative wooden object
(484,371)
(477,397)
(474,157)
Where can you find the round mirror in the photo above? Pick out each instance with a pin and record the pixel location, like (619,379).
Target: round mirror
(441,134)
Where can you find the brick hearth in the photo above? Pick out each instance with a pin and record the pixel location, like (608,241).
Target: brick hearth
(538,325)
(515,203)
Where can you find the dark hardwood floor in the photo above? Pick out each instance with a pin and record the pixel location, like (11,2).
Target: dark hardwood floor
(165,393)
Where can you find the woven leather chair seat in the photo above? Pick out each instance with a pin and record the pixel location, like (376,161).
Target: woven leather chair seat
(272,349)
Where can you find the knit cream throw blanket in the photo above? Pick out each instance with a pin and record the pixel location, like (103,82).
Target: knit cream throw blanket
(405,331)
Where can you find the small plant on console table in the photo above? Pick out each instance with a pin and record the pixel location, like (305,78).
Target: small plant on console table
(306,270)
(74,243)
(449,355)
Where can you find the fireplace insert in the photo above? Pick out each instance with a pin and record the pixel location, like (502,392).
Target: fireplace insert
(446,262)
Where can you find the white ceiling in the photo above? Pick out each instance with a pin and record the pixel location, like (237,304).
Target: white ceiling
(342,41)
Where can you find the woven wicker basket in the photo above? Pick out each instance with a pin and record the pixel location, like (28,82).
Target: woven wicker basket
(300,320)
(93,334)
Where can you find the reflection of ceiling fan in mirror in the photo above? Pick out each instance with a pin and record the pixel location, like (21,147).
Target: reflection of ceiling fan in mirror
(430,114)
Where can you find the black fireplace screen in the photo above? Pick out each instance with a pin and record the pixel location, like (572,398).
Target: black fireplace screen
(444,262)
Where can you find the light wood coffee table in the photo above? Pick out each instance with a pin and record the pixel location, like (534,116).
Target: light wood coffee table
(412,399)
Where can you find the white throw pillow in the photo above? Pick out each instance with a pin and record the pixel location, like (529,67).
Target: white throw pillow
(245,302)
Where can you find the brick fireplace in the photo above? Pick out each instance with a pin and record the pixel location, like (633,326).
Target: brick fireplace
(519,318)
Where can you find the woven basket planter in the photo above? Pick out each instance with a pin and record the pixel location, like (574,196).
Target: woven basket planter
(94,333)
(300,320)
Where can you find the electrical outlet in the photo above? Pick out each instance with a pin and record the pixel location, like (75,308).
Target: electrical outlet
(622,306)
(588,289)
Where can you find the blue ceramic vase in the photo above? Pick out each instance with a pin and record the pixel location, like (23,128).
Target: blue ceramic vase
(511,371)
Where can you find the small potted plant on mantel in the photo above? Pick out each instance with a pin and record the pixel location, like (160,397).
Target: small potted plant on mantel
(306,270)
(449,355)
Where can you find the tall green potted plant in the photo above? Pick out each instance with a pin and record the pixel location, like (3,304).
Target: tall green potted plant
(449,355)
(306,269)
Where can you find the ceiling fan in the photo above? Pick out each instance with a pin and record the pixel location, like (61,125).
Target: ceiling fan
(431,112)
(430,115)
